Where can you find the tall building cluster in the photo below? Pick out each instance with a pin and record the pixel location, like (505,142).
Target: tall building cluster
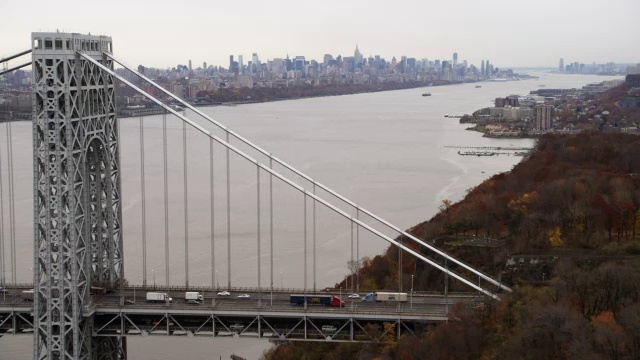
(575,67)
(189,82)
(358,68)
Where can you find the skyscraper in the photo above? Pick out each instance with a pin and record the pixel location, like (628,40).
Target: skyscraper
(230,62)
(455,59)
(482,68)
(561,66)
(256,61)
(241,64)
(487,68)
(357,56)
(298,63)
(190,65)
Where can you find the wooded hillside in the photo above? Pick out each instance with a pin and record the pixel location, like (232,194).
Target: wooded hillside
(573,206)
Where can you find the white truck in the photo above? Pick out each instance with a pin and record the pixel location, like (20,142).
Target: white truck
(158,297)
(193,297)
(27,295)
(386,296)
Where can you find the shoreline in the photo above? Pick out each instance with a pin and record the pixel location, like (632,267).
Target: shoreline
(248,102)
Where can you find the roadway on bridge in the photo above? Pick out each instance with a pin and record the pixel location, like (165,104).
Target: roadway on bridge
(131,298)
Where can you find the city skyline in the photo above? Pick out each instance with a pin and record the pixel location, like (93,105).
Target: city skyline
(534,36)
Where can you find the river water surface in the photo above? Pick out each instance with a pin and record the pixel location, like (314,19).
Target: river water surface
(385,151)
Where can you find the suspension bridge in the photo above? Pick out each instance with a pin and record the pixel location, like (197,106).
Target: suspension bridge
(82,306)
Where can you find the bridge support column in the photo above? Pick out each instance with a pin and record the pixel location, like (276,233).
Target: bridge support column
(77,213)
(109,348)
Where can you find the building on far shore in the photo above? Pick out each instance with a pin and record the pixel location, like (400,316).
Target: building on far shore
(543,117)
(633,81)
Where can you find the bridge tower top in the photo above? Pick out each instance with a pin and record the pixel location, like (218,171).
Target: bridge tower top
(69,43)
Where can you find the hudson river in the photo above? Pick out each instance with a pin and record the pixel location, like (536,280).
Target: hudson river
(385,151)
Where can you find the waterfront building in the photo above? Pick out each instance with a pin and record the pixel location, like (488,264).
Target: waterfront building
(455,59)
(561,65)
(543,117)
(632,80)
(631,69)
(512,100)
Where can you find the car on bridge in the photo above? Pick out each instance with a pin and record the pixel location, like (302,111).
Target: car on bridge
(236,327)
(244,296)
(224,293)
(354,296)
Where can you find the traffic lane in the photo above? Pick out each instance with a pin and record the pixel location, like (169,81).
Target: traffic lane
(180,295)
(257,301)
(265,304)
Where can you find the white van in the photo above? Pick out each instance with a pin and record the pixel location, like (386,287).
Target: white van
(329,328)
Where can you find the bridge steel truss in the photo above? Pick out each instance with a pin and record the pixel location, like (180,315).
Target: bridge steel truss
(77,220)
(337,325)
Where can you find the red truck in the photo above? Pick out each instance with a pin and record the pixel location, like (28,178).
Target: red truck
(325,300)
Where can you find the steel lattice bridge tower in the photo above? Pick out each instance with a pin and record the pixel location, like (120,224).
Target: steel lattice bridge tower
(78,236)
(78,243)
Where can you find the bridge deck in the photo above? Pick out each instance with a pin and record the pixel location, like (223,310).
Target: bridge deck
(264,315)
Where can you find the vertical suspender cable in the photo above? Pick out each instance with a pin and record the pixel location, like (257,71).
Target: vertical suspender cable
(358,251)
(446,287)
(271,218)
(228,219)
(186,204)
(305,244)
(2,253)
(258,227)
(144,207)
(213,251)
(12,223)
(399,265)
(166,199)
(352,265)
(314,239)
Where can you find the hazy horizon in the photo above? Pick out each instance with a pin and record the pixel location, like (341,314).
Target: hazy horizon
(164,35)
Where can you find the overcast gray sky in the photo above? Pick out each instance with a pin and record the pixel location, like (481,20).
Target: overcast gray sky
(164,33)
